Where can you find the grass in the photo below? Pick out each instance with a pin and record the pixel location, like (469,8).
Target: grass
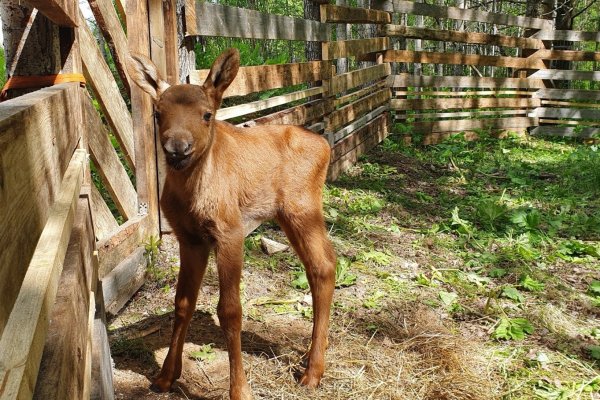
(466,270)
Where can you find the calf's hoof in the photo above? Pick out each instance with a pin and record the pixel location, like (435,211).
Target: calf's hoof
(161,385)
(310,379)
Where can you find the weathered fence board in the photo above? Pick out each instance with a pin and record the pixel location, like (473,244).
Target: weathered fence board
(61,12)
(62,369)
(566,55)
(302,114)
(462,37)
(567,113)
(353,15)
(468,115)
(433,57)
(114,249)
(104,222)
(259,105)
(265,77)
(354,47)
(111,170)
(108,21)
(568,94)
(107,92)
(37,139)
(566,131)
(354,110)
(556,74)
(464,125)
(343,82)
(359,123)
(454,103)
(410,7)
(404,80)
(23,338)
(122,282)
(571,36)
(218,20)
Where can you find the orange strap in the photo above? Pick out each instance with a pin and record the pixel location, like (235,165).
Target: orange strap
(39,81)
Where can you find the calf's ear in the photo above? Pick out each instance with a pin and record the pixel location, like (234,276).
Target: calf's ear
(145,74)
(222,73)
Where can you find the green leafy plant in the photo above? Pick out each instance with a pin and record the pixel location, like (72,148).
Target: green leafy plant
(206,353)
(530,284)
(512,329)
(528,219)
(343,276)
(511,292)
(300,280)
(491,213)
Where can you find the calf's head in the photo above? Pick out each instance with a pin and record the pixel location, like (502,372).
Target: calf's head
(185,114)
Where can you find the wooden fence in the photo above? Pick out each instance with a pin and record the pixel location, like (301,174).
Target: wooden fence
(67,257)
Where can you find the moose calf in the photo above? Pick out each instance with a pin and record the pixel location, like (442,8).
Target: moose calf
(221,180)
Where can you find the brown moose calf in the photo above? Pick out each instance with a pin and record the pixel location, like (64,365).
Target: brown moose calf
(222,180)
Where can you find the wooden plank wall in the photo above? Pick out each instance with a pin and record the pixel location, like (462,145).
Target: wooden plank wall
(518,92)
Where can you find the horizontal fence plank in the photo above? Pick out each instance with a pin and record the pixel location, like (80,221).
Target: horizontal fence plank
(343,82)
(569,104)
(567,94)
(571,36)
(357,144)
(465,93)
(353,15)
(354,110)
(61,12)
(37,139)
(453,103)
(23,338)
(462,37)
(248,108)
(265,77)
(359,93)
(475,124)
(354,47)
(124,280)
(108,21)
(406,80)
(567,113)
(410,7)
(433,57)
(359,122)
(106,91)
(218,20)
(556,74)
(566,131)
(566,55)
(303,114)
(113,249)
(469,115)
(108,165)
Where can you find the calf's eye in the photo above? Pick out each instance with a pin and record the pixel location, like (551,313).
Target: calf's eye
(207,116)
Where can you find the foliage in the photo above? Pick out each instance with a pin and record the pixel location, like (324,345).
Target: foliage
(513,329)
(206,353)
(2,67)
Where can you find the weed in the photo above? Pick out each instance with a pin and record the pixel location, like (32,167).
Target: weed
(512,329)
(206,353)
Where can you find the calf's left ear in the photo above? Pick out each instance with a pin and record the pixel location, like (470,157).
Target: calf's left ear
(145,74)
(222,73)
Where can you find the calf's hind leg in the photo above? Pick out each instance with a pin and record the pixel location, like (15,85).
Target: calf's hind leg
(307,234)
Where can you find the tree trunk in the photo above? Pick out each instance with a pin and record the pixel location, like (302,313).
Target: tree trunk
(187,57)
(563,21)
(341,34)
(312,49)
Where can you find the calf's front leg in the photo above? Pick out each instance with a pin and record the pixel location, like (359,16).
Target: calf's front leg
(193,265)
(230,257)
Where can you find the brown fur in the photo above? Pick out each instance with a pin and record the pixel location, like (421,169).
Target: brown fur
(221,180)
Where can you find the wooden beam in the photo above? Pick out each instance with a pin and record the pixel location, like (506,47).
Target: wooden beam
(409,80)
(353,15)
(566,55)
(462,37)
(569,104)
(107,162)
(61,12)
(113,249)
(122,282)
(63,365)
(349,80)
(566,131)
(433,57)
(359,123)
(265,77)
(106,91)
(261,105)
(568,94)
(567,113)
(354,110)
(469,125)
(458,103)
(562,75)
(354,48)
(108,21)
(467,115)
(348,98)
(570,36)
(37,139)
(464,93)
(104,222)
(22,341)
(410,7)
(349,143)
(303,114)
(218,20)
(102,374)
